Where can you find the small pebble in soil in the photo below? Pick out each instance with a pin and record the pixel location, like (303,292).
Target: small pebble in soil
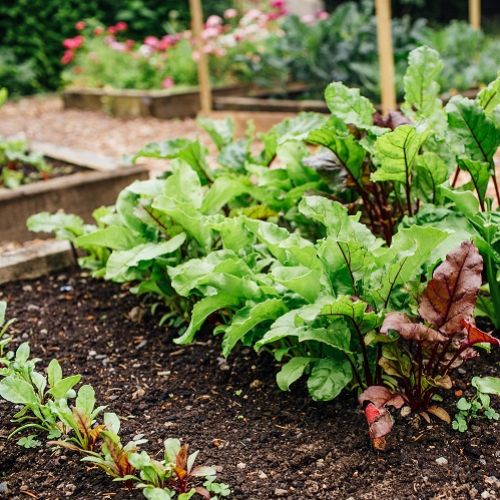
(4,489)
(262,474)
(241,465)
(441,461)
(255,384)
(280,492)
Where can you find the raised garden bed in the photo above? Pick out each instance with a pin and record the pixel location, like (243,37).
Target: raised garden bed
(172,103)
(94,185)
(287,104)
(270,444)
(184,103)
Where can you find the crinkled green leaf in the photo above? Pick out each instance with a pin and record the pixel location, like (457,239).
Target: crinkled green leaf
(220,131)
(291,371)
(64,226)
(204,308)
(489,97)
(121,261)
(348,105)
(396,153)
(247,318)
(479,172)
(348,151)
(328,377)
(420,83)
(469,124)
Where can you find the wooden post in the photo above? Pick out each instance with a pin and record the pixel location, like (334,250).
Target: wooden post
(203,73)
(475,13)
(385,55)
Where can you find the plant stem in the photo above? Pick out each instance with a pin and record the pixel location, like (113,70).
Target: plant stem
(368,373)
(494,288)
(455,177)
(495,183)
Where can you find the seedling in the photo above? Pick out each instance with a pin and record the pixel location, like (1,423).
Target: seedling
(479,405)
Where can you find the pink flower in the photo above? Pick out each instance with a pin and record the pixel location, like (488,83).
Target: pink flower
(168,82)
(166,42)
(151,41)
(322,15)
(80,25)
(230,13)
(67,56)
(121,26)
(210,32)
(278,4)
(307,18)
(213,21)
(73,43)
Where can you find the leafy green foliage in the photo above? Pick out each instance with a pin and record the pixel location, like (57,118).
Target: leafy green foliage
(20,166)
(314,244)
(479,405)
(45,407)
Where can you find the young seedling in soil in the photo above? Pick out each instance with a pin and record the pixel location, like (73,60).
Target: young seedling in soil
(479,404)
(45,408)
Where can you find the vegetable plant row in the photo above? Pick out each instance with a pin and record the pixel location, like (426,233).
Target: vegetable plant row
(339,246)
(69,418)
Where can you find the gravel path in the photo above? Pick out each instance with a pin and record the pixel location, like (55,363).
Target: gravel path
(44,119)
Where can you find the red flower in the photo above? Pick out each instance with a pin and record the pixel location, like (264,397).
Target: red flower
(73,43)
(121,26)
(99,30)
(80,25)
(67,56)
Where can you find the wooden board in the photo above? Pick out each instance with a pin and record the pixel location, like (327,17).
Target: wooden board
(79,193)
(165,104)
(34,260)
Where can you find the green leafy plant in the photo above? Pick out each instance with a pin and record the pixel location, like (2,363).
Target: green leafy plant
(434,347)
(479,405)
(45,408)
(19,166)
(314,245)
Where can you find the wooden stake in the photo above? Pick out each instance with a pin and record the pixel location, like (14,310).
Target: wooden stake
(475,14)
(203,73)
(385,55)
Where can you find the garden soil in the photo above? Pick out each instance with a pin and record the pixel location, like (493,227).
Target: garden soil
(268,444)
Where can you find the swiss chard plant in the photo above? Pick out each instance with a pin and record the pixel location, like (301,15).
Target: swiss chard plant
(314,244)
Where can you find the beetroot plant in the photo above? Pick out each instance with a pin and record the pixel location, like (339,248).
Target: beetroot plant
(431,346)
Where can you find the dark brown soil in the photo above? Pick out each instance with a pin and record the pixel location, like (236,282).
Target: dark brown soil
(269,444)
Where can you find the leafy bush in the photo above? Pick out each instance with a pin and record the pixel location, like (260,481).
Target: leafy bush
(311,244)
